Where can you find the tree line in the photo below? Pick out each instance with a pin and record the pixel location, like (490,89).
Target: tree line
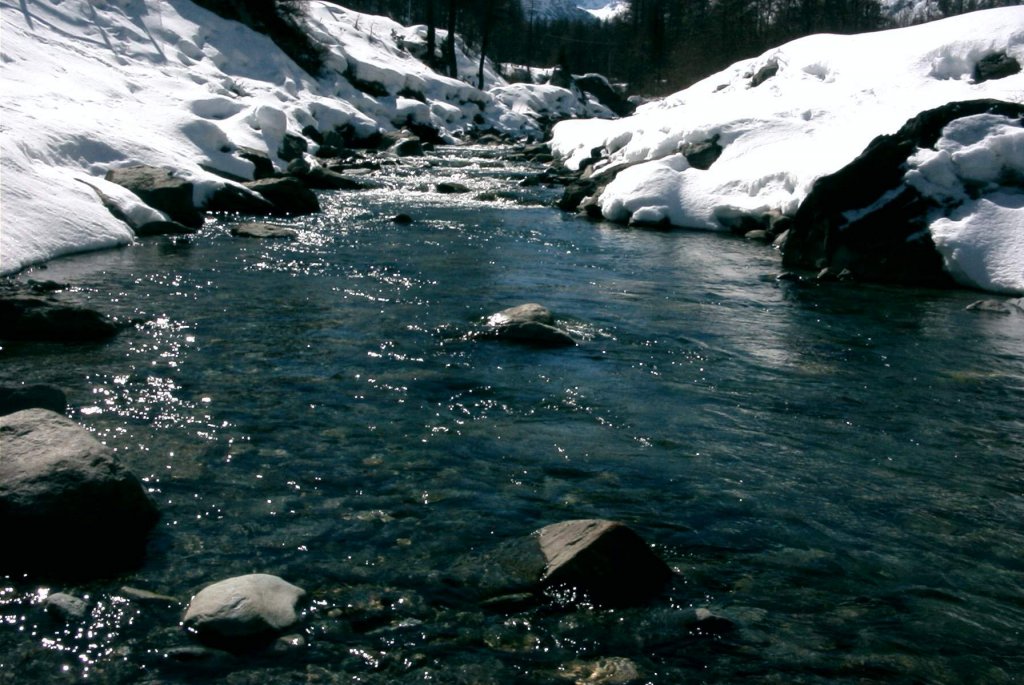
(657,47)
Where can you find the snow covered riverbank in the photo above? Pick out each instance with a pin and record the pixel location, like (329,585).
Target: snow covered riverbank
(92,85)
(806,109)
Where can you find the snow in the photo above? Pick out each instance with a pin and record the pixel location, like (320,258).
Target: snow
(830,97)
(555,10)
(92,85)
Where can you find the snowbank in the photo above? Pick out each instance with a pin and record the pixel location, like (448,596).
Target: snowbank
(92,85)
(828,98)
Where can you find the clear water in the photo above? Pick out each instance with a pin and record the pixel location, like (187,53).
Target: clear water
(838,470)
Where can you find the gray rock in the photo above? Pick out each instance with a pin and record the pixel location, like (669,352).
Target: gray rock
(408,147)
(325,179)
(703,154)
(262,230)
(527,323)
(605,560)
(995,66)
(292,147)
(139,595)
(607,671)
(67,506)
(237,199)
(287,195)
(451,187)
(263,167)
(764,73)
(161,189)
(17,398)
(66,608)
(244,611)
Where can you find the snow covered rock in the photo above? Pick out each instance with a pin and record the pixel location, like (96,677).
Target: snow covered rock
(162,189)
(828,97)
(68,508)
(950,178)
(244,611)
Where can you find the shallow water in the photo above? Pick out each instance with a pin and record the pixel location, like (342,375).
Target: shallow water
(837,470)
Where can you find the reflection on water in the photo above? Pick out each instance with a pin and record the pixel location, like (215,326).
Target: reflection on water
(835,470)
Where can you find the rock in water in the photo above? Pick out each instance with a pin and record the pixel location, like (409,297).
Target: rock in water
(244,611)
(32,318)
(261,230)
(287,195)
(161,189)
(528,323)
(68,508)
(606,560)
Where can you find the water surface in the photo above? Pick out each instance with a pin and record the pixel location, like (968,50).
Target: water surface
(836,470)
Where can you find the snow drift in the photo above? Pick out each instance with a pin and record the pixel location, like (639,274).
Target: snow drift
(92,85)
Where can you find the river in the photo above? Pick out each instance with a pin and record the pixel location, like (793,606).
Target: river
(834,470)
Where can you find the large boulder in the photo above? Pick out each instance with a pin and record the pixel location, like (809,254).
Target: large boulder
(528,323)
(605,560)
(570,562)
(68,508)
(244,611)
(263,230)
(867,219)
(161,189)
(599,87)
(288,195)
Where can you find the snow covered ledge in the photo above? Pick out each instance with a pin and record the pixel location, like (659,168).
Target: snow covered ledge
(828,98)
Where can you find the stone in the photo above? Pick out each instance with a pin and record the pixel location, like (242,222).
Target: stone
(1012,306)
(139,595)
(261,230)
(528,323)
(995,66)
(287,195)
(292,147)
(408,147)
(402,219)
(891,242)
(605,560)
(17,398)
(325,179)
(263,166)
(607,671)
(68,507)
(703,154)
(764,73)
(598,86)
(244,611)
(757,235)
(234,198)
(161,189)
(48,320)
(451,187)
(65,608)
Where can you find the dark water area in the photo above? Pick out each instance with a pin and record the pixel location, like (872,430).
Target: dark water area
(835,470)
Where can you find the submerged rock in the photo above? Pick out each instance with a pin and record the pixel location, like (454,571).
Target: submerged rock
(262,230)
(68,507)
(244,611)
(527,323)
(66,608)
(31,318)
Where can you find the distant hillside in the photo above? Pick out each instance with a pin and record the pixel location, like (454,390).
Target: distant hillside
(581,10)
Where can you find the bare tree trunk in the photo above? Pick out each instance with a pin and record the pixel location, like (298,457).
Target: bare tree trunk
(431,35)
(451,64)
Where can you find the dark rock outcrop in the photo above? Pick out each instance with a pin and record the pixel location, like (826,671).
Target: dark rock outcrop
(326,179)
(153,228)
(292,147)
(451,187)
(703,154)
(244,612)
(764,73)
(995,66)
(48,320)
(18,398)
(287,195)
(865,219)
(68,508)
(161,189)
(263,166)
(599,87)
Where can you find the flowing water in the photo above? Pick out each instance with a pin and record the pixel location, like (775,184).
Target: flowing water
(836,471)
